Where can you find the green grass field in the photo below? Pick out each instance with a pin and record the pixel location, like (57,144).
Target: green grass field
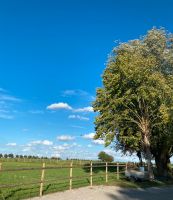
(55,179)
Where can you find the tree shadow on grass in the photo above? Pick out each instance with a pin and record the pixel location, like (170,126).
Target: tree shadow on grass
(101,167)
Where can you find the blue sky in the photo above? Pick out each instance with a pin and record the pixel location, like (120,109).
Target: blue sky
(52,55)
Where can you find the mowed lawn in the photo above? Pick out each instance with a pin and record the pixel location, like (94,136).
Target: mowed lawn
(54,180)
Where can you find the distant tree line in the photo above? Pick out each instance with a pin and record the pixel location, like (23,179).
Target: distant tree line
(11,155)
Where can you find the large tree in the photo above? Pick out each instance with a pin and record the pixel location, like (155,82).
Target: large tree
(105,157)
(135,104)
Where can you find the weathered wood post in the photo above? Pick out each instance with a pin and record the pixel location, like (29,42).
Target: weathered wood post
(106,172)
(126,166)
(71,174)
(118,171)
(0,166)
(42,179)
(91,174)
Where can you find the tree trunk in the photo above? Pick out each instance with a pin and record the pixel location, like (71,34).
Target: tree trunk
(139,154)
(162,160)
(148,156)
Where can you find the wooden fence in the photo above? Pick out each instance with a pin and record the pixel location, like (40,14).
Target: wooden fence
(91,166)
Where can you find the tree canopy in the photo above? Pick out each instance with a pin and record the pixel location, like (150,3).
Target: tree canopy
(135,104)
(105,157)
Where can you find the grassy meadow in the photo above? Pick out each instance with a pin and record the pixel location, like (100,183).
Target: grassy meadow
(54,180)
(26,183)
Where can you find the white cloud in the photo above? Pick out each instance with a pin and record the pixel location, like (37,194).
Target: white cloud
(57,106)
(99,142)
(11,144)
(78,117)
(47,142)
(41,142)
(89,136)
(65,138)
(85,109)
(65,146)
(62,105)
(61,148)
(89,145)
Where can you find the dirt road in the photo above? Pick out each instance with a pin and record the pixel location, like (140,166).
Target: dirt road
(112,193)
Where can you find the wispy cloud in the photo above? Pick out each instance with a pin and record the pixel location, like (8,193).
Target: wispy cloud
(75,126)
(58,106)
(62,147)
(41,142)
(4,111)
(79,93)
(65,138)
(26,149)
(25,129)
(6,102)
(6,97)
(11,144)
(6,116)
(75,93)
(2,90)
(71,93)
(36,111)
(78,117)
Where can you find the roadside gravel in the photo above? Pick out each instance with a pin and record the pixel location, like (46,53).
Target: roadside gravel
(111,193)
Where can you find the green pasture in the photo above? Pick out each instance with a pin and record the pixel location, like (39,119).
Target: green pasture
(55,179)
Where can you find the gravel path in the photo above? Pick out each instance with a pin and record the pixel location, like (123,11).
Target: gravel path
(111,193)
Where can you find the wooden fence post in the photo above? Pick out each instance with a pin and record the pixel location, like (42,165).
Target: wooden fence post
(126,166)
(0,166)
(117,171)
(91,174)
(71,174)
(42,179)
(106,172)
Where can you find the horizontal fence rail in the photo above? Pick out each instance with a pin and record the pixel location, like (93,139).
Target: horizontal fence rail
(117,170)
